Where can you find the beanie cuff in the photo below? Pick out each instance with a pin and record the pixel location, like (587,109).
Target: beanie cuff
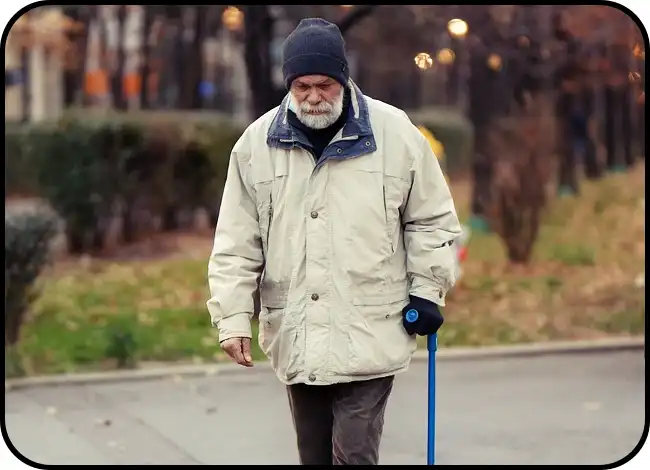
(315,64)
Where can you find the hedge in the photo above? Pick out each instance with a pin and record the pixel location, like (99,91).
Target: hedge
(147,168)
(139,168)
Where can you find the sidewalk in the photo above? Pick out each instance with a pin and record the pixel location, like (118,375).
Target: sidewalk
(572,409)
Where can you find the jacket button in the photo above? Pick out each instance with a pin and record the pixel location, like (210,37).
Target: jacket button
(440,294)
(314,214)
(314,297)
(312,377)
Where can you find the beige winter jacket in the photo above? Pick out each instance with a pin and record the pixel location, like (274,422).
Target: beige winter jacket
(336,247)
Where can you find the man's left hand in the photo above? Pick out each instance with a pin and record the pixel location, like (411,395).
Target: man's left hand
(429,317)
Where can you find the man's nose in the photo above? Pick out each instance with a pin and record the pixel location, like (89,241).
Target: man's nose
(313,97)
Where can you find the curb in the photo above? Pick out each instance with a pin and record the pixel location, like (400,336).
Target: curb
(537,349)
(177,372)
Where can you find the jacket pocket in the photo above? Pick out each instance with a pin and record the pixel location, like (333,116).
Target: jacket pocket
(377,340)
(270,322)
(278,340)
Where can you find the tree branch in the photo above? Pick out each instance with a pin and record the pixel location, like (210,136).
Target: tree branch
(354,16)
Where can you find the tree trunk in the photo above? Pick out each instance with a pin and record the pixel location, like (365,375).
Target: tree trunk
(614,162)
(625,98)
(145,66)
(640,128)
(258,34)
(98,240)
(593,169)
(25,94)
(76,241)
(104,64)
(170,219)
(117,81)
(128,223)
(179,63)
(73,77)
(200,31)
(481,178)
(486,104)
(568,175)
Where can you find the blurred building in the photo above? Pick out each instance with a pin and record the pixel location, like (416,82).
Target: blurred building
(34,65)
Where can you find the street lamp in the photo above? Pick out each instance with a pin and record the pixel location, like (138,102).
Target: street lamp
(457,28)
(494,62)
(232,18)
(445,56)
(423,61)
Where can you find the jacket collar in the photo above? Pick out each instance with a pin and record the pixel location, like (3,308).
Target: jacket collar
(355,138)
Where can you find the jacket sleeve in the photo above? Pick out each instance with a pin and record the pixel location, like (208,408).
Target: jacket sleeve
(236,260)
(430,227)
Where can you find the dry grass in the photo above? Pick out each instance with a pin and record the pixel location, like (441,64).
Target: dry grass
(581,283)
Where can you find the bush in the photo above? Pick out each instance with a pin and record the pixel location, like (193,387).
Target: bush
(121,344)
(141,167)
(28,235)
(76,178)
(451,128)
(20,177)
(190,152)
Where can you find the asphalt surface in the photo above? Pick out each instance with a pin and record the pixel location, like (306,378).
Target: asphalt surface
(571,409)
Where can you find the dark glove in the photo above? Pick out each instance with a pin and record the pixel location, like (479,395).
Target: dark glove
(429,318)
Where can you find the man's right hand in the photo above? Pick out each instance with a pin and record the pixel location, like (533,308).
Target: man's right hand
(239,350)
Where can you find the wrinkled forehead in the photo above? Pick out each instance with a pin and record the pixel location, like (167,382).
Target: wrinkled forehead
(313,80)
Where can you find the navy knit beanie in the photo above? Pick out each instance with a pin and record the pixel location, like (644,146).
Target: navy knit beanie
(315,47)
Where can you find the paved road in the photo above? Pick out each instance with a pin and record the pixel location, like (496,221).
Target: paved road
(574,409)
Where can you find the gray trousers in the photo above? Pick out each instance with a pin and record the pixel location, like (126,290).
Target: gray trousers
(339,424)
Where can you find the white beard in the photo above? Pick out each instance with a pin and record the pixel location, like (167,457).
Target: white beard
(330,112)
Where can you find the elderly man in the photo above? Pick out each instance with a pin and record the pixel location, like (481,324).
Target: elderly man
(334,205)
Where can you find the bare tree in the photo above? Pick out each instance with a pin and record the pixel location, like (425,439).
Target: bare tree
(73,78)
(117,77)
(145,64)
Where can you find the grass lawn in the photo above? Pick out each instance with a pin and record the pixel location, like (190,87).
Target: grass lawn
(583,283)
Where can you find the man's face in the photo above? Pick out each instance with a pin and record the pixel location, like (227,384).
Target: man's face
(317,100)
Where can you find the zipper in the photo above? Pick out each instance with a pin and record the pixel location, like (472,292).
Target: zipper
(268,228)
(388,230)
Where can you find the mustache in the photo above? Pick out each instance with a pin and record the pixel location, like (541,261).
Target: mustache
(323,107)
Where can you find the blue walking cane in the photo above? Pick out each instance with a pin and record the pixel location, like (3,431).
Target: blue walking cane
(432,347)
